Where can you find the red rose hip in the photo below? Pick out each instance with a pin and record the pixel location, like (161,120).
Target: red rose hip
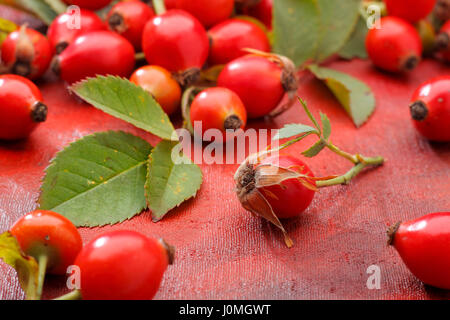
(430,109)
(207,12)
(63,32)
(395,47)
(95,53)
(410,10)
(218,108)
(27,53)
(122,265)
(129,19)
(424,246)
(231,36)
(443,41)
(261,82)
(21,107)
(89,4)
(177,42)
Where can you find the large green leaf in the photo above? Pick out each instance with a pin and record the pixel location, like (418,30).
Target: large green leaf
(124,100)
(338,19)
(40,8)
(296,29)
(26,267)
(356,46)
(98,179)
(354,95)
(170,183)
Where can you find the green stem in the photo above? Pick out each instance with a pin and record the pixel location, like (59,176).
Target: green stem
(139,56)
(73,295)
(346,178)
(346,155)
(42,261)
(159,6)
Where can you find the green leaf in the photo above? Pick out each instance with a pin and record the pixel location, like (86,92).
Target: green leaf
(57,5)
(315,149)
(6,27)
(124,100)
(354,95)
(41,9)
(26,267)
(326,125)
(169,184)
(98,180)
(294,129)
(338,19)
(296,29)
(356,46)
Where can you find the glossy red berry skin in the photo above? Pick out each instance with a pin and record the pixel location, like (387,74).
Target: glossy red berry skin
(21,107)
(396,47)
(170,4)
(27,53)
(410,10)
(129,19)
(430,109)
(292,198)
(61,33)
(161,85)
(207,12)
(230,37)
(218,108)
(121,265)
(96,53)
(262,11)
(424,246)
(176,41)
(257,81)
(48,233)
(89,4)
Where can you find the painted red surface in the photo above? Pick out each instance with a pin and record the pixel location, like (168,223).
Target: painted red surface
(225,253)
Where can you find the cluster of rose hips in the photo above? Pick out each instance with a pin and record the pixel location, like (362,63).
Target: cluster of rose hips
(117,265)
(398,44)
(177,44)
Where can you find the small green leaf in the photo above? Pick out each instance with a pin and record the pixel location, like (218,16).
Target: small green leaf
(57,5)
(124,100)
(168,183)
(338,19)
(315,149)
(6,27)
(98,180)
(41,9)
(354,95)
(356,46)
(296,29)
(326,125)
(294,129)
(26,267)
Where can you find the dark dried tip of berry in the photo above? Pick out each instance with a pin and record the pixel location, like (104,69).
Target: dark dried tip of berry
(232,122)
(21,68)
(410,63)
(391,233)
(442,41)
(187,77)
(116,22)
(55,65)
(169,249)
(39,112)
(60,47)
(419,111)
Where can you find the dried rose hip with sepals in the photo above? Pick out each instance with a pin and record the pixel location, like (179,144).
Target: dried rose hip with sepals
(255,175)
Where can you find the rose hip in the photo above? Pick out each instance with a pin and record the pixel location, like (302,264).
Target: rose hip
(424,246)
(207,12)
(95,53)
(27,53)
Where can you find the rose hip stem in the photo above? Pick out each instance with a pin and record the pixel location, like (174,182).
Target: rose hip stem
(72,295)
(159,6)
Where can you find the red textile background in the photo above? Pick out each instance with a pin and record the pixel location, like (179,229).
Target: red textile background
(225,253)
